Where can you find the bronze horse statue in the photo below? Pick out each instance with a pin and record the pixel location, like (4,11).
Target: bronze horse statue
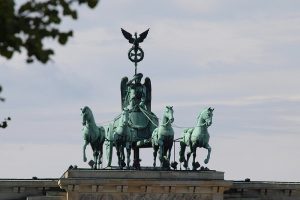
(196,137)
(122,139)
(92,135)
(162,138)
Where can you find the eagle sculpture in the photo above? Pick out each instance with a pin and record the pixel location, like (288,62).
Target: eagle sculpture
(135,40)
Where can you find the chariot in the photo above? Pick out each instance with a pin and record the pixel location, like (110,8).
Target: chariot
(136,99)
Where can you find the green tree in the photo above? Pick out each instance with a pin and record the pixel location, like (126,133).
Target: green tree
(27,27)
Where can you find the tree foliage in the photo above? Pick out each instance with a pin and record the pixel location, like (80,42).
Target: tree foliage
(26,27)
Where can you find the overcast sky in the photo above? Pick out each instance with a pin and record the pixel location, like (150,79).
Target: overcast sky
(239,56)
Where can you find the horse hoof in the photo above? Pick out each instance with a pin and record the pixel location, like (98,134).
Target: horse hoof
(196,165)
(181,159)
(185,165)
(174,165)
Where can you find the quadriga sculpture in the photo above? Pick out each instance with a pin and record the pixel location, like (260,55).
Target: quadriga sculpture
(162,138)
(196,137)
(92,135)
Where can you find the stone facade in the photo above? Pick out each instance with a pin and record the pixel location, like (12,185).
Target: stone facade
(144,184)
(130,184)
(259,190)
(20,189)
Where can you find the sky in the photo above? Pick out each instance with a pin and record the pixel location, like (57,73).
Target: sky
(240,57)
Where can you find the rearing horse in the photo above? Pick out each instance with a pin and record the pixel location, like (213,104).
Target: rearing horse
(162,138)
(196,137)
(92,135)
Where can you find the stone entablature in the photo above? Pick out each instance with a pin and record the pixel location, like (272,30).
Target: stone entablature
(263,190)
(143,184)
(11,189)
(126,184)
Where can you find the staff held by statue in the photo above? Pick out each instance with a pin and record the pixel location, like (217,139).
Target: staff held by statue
(135,53)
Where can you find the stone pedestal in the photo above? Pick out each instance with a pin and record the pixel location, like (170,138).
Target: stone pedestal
(144,184)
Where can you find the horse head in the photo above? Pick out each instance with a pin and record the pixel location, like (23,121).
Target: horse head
(169,114)
(124,117)
(205,117)
(86,115)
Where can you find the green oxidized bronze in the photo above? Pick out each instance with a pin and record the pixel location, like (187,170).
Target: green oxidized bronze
(196,137)
(134,94)
(137,127)
(135,53)
(92,135)
(163,138)
(136,100)
(122,138)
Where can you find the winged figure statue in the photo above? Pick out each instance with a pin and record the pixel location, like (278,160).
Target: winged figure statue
(134,94)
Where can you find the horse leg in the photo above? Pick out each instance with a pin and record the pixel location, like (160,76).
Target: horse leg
(123,156)
(188,156)
(155,149)
(98,160)
(181,152)
(208,153)
(161,154)
(166,157)
(194,157)
(84,148)
(170,148)
(136,160)
(96,154)
(128,148)
(100,156)
(128,157)
(118,154)
(109,149)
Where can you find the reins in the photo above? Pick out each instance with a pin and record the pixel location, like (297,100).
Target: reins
(145,113)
